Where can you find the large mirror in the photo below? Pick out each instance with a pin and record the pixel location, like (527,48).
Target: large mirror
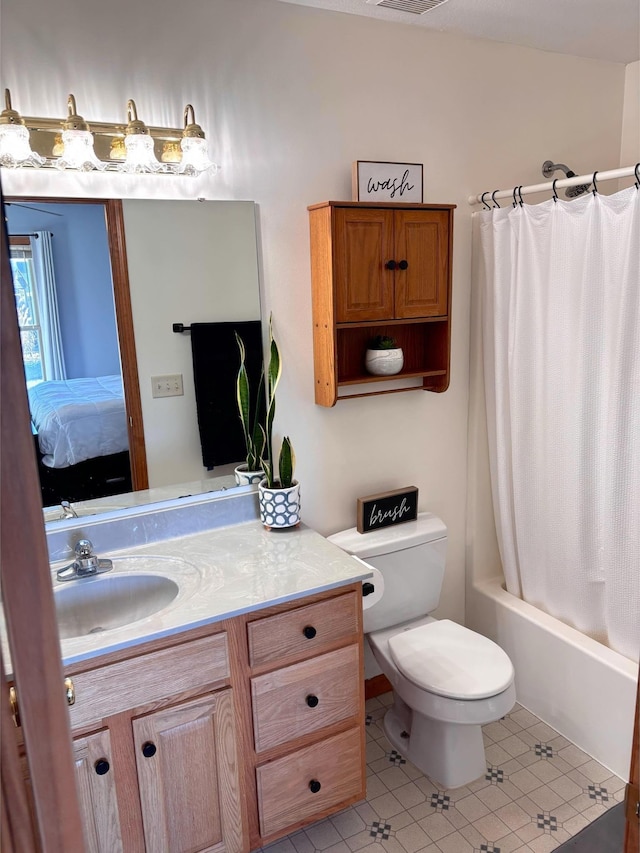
(172,262)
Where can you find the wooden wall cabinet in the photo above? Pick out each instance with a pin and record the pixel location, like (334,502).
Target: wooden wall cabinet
(380,269)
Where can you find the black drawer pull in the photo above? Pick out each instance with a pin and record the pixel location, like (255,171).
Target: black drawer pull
(312,701)
(390,265)
(149,749)
(309,631)
(314,786)
(101,766)
(403,265)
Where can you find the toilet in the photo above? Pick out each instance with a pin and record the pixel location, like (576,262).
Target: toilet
(447,680)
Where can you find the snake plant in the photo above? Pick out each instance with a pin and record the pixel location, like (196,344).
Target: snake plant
(286,457)
(254,434)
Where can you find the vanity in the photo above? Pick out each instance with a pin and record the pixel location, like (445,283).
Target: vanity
(234,714)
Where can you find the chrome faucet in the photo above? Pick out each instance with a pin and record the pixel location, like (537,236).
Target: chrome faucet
(67,510)
(85,564)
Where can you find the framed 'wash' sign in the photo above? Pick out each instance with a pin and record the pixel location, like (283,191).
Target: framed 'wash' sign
(387,509)
(372,181)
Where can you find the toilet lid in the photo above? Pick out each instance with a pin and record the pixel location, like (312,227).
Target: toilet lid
(449,660)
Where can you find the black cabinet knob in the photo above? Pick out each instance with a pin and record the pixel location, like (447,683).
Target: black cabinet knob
(309,631)
(368,588)
(101,766)
(390,265)
(314,786)
(312,700)
(403,265)
(149,749)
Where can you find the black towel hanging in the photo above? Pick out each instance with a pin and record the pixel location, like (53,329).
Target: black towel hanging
(216,360)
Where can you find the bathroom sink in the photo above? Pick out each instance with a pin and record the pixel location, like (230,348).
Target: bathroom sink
(108,601)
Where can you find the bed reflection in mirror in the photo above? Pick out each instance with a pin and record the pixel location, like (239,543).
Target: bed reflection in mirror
(170,261)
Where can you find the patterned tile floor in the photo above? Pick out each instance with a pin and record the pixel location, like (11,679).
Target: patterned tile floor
(538,791)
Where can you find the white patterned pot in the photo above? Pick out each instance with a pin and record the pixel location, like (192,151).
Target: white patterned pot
(244,477)
(384,362)
(279,507)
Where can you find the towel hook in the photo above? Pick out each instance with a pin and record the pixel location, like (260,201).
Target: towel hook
(637,176)
(595,186)
(493,199)
(555,194)
(483,201)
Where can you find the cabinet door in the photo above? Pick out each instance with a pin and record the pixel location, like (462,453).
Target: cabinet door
(363,245)
(422,241)
(188,776)
(97,793)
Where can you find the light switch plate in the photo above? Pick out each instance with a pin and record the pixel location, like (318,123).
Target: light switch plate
(168,385)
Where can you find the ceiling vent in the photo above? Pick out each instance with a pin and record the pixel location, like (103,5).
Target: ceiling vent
(413,7)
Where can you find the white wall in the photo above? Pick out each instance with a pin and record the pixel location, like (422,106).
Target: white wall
(187,261)
(630,145)
(289,97)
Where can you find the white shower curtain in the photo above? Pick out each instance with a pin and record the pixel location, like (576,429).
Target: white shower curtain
(560,291)
(52,352)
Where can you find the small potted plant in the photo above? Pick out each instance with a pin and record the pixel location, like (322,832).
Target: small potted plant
(384,357)
(278,492)
(254,436)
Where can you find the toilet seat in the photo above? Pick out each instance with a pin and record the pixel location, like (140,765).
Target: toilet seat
(452,661)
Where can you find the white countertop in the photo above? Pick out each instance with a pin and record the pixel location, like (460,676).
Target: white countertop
(221,573)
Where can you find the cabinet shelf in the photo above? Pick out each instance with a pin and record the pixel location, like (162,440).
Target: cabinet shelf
(361,379)
(358,294)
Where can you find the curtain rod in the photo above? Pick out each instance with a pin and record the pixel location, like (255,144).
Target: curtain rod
(611,175)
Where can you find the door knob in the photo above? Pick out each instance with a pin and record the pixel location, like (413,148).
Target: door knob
(149,749)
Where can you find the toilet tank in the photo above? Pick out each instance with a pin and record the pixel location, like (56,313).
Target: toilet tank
(411,558)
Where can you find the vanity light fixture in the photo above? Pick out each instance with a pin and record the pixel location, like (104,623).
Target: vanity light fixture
(195,150)
(77,143)
(140,156)
(15,148)
(130,147)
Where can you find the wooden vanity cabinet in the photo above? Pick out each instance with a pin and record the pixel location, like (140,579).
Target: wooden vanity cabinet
(224,738)
(162,774)
(307,695)
(97,792)
(380,269)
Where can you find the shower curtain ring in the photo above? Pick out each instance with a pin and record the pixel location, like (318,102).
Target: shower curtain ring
(595,186)
(637,175)
(555,194)
(483,201)
(515,201)
(493,199)
(520,201)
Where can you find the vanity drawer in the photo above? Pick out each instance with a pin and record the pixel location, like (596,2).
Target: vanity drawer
(300,631)
(288,791)
(305,697)
(148,678)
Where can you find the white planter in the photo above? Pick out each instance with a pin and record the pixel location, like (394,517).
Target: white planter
(244,477)
(279,507)
(384,362)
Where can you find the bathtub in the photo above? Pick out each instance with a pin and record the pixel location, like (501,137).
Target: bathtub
(583,689)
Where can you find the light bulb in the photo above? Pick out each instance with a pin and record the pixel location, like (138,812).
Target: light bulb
(195,156)
(78,152)
(140,155)
(15,149)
